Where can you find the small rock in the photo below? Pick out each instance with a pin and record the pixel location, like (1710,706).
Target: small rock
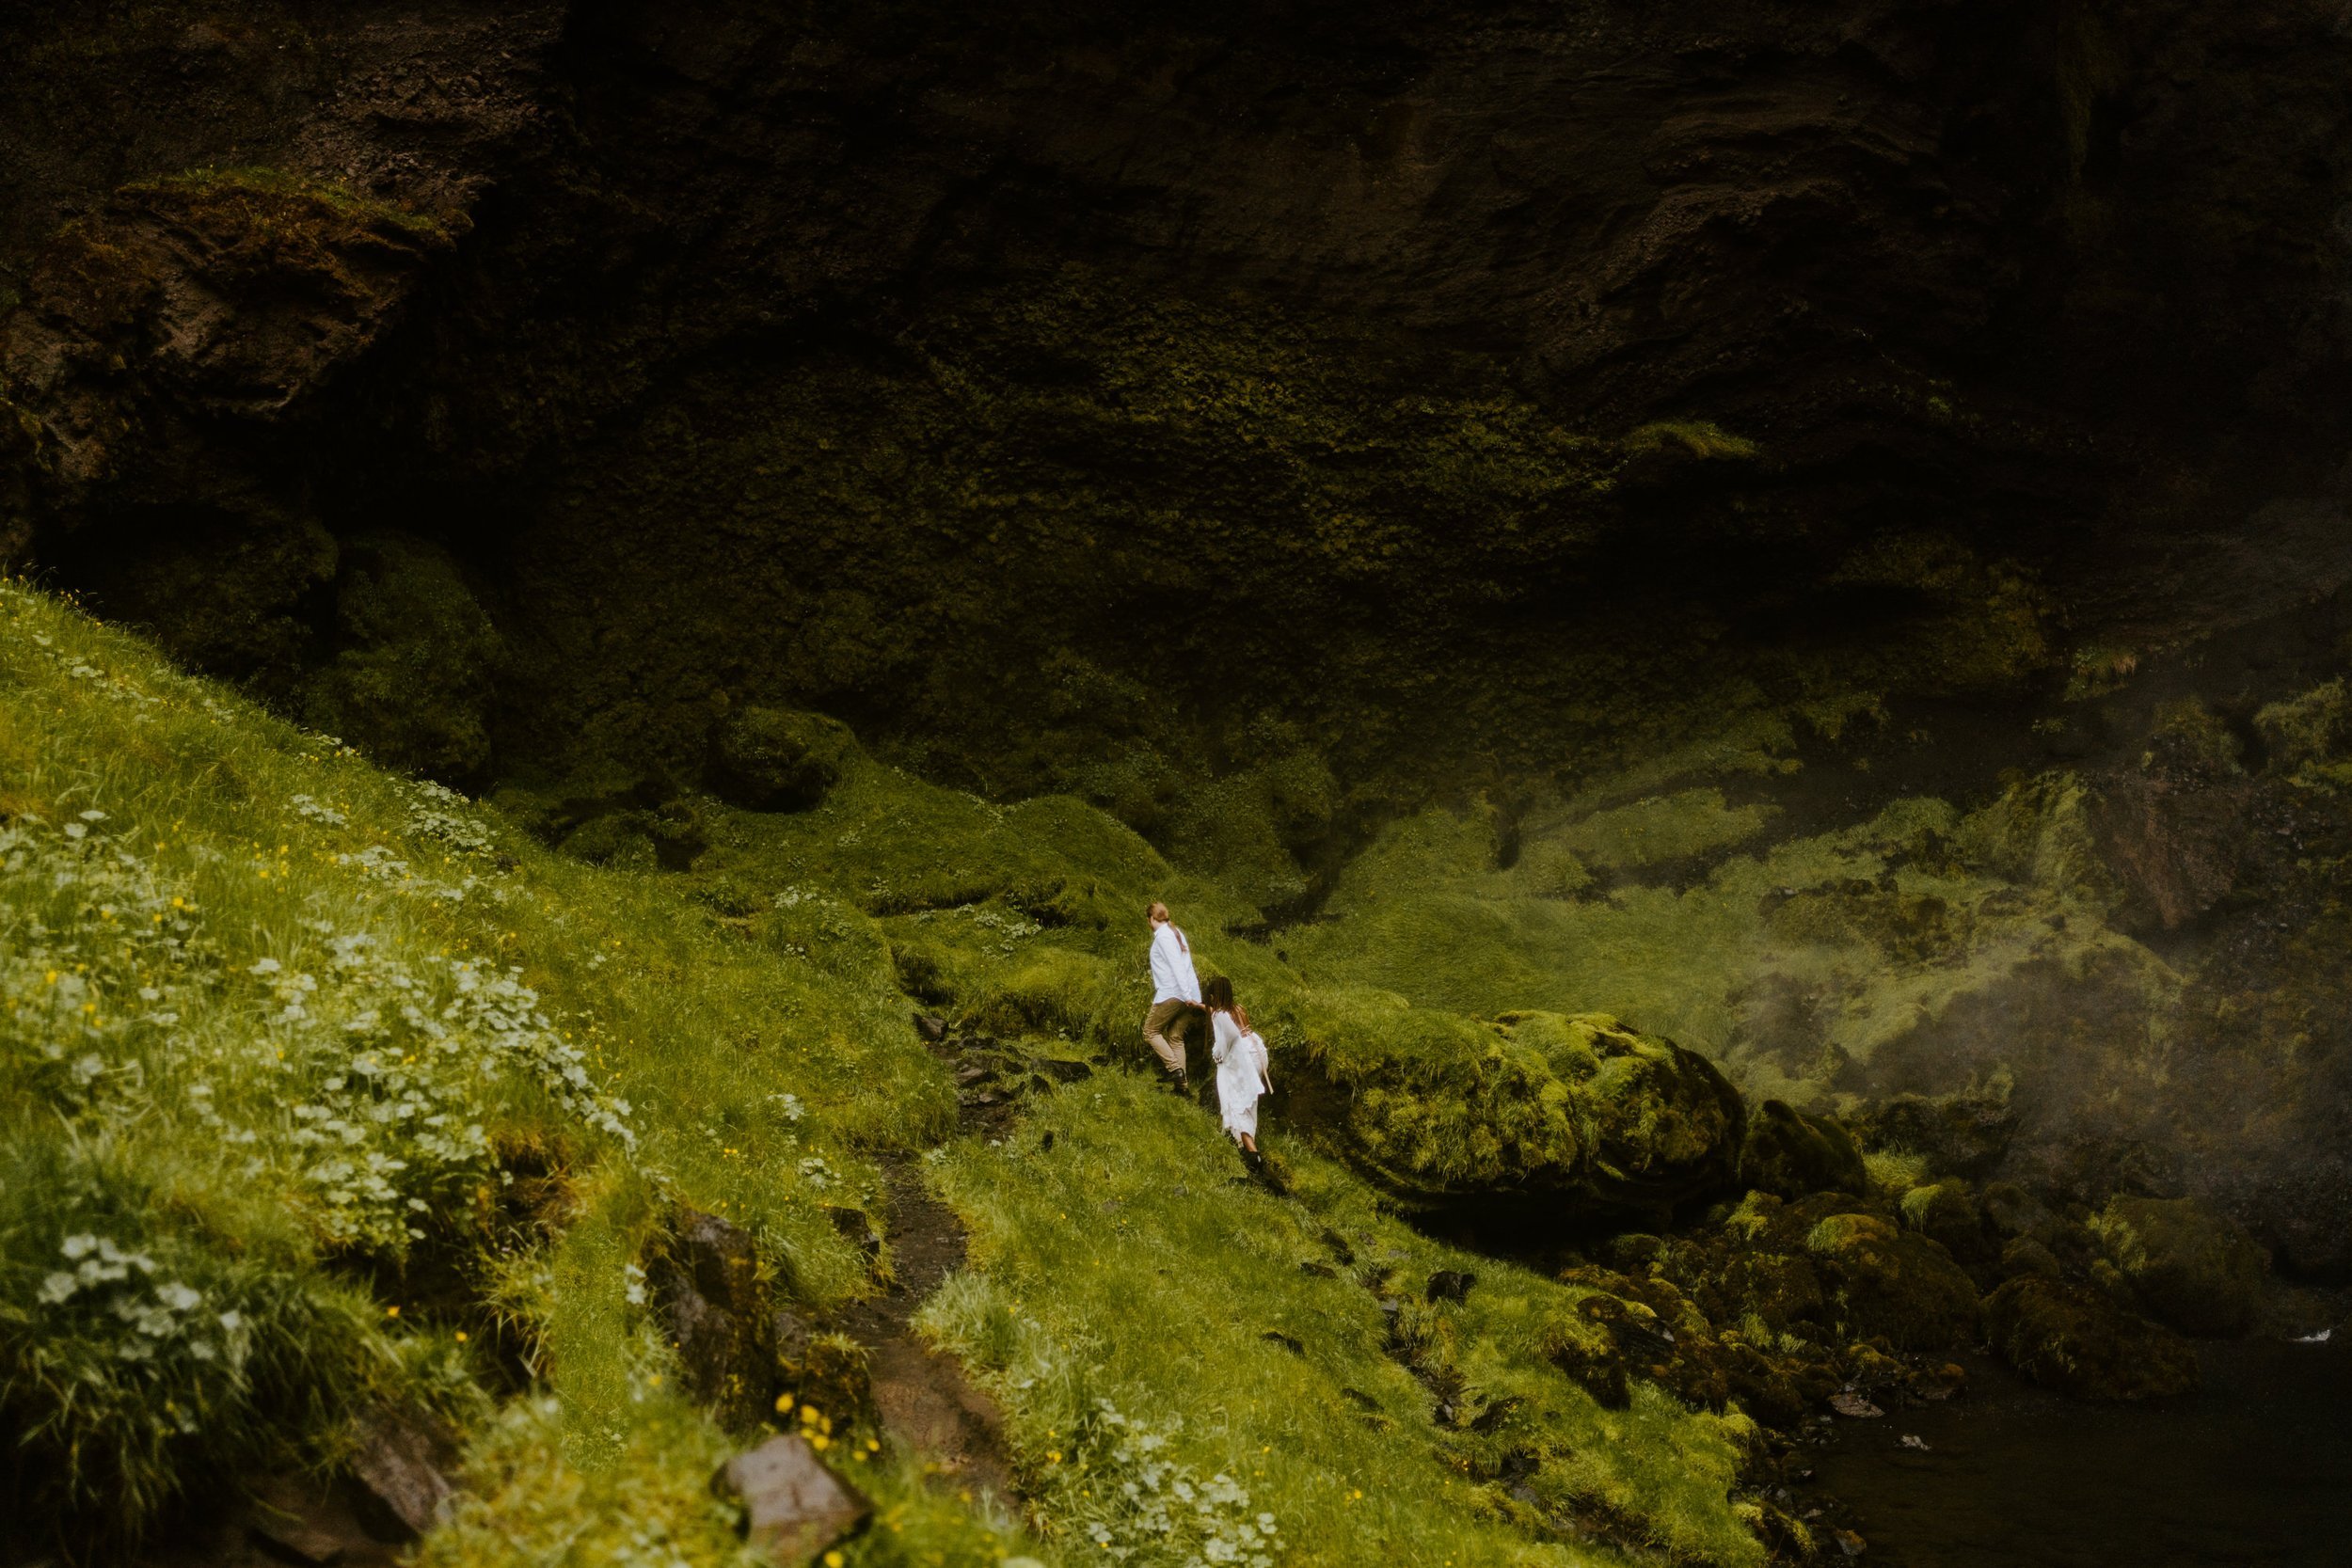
(1855,1406)
(930,1026)
(395,1463)
(1911,1441)
(1850,1542)
(793,1507)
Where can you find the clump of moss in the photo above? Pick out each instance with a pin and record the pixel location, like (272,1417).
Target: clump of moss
(2305,730)
(1946,1213)
(1695,436)
(285,207)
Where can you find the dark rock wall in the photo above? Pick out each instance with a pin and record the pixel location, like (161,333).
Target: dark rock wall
(1101,399)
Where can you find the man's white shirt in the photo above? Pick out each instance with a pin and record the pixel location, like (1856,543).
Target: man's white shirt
(1171,969)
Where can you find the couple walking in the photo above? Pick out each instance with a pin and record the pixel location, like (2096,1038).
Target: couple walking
(1178,998)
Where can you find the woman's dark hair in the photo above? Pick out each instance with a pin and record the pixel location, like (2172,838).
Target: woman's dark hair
(1216,994)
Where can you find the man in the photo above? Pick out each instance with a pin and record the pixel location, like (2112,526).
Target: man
(1175,996)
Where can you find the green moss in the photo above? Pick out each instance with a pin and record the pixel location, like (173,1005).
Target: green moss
(1697,437)
(2304,730)
(413,685)
(1660,831)
(1790,1154)
(2197,1270)
(2075,1339)
(1580,1107)
(1096,1279)
(1885,1284)
(2188,734)
(772,759)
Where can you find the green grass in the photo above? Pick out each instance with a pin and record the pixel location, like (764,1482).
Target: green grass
(282,1032)
(349,1092)
(1128,1268)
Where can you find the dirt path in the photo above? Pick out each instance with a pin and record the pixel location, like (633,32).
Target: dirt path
(923,1397)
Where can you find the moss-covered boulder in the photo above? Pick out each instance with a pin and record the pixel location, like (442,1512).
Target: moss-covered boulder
(1889,1283)
(2078,1340)
(777,759)
(1946,1213)
(413,681)
(1581,1112)
(1665,1125)
(2197,1270)
(1789,1154)
(2023,1255)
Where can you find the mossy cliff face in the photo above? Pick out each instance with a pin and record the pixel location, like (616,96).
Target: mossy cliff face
(1059,399)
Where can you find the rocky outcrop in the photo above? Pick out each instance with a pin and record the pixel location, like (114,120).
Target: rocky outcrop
(742,1356)
(793,1507)
(2077,1339)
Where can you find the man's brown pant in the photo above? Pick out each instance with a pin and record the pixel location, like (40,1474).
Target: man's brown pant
(1164,1030)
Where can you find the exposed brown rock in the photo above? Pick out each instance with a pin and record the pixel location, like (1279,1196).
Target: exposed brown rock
(793,1507)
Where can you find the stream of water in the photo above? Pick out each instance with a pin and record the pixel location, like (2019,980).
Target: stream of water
(2255,1471)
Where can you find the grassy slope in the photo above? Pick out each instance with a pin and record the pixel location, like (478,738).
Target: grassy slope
(350,957)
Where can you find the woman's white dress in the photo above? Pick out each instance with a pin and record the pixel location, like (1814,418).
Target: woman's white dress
(1241,1074)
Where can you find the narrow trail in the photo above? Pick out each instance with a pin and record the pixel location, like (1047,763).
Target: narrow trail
(924,1397)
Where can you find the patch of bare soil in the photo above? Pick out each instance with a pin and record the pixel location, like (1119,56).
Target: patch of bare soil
(923,1396)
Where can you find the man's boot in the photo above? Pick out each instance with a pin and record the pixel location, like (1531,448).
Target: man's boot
(1176,1081)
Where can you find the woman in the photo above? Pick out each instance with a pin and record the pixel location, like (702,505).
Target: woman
(1241,1067)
